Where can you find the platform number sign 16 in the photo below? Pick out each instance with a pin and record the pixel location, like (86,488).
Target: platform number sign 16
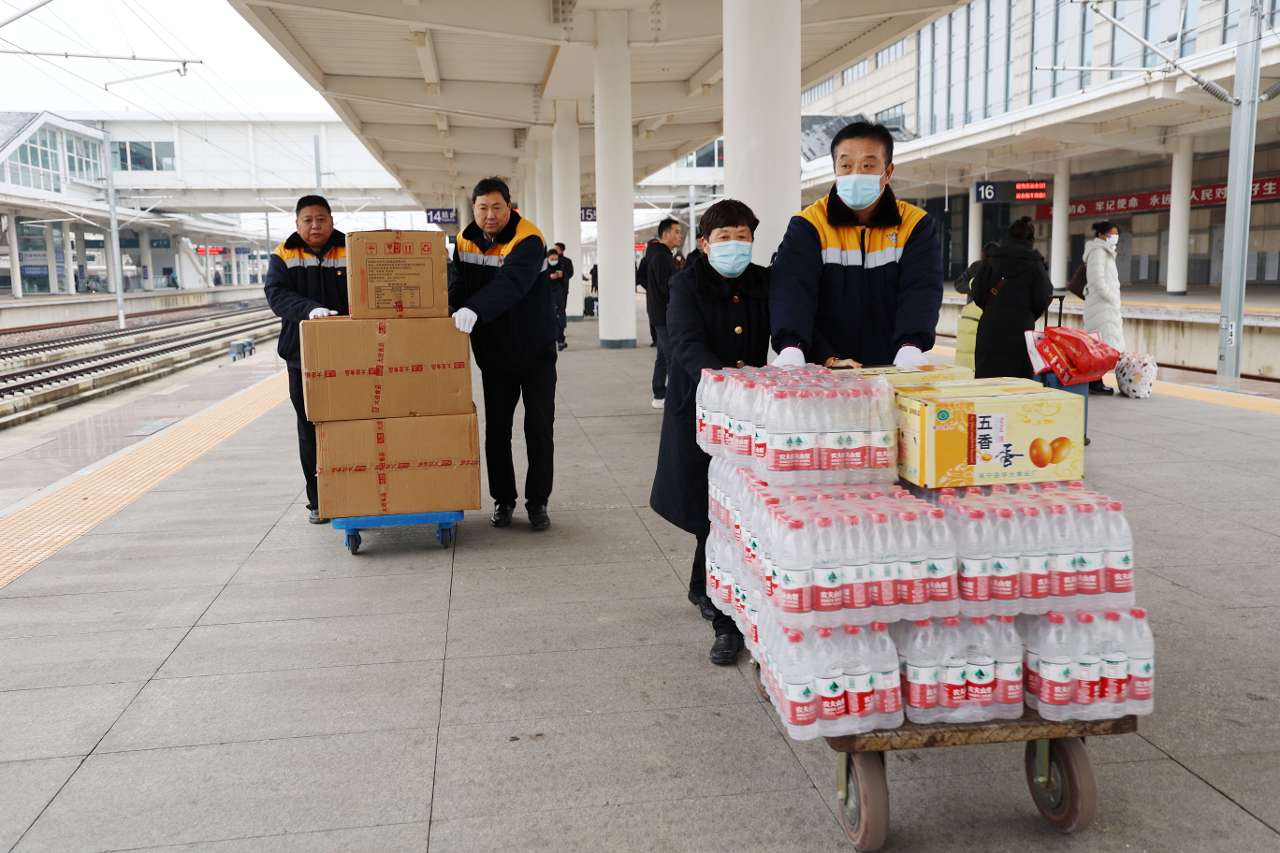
(985,191)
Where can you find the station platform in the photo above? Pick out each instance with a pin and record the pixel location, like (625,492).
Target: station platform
(60,309)
(185,663)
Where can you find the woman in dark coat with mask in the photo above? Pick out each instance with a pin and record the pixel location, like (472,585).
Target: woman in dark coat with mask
(1013,291)
(718,317)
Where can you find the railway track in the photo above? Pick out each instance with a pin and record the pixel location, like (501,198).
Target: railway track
(39,379)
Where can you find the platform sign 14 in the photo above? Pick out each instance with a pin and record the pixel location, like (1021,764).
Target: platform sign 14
(442,216)
(996,192)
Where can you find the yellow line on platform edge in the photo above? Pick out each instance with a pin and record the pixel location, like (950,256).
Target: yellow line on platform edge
(1265,405)
(38,530)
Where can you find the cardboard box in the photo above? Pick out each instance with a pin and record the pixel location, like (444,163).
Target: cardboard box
(924,374)
(984,387)
(398,465)
(353,369)
(394,274)
(979,435)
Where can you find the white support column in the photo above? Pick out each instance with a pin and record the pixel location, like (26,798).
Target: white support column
(975,228)
(615,181)
(68,260)
(15,262)
(235,267)
(567,171)
(53,258)
(148,271)
(1060,228)
(544,188)
(82,257)
(1179,218)
(208,265)
(760,163)
(529,185)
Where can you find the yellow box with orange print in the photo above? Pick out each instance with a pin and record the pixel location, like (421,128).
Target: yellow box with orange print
(972,435)
(924,374)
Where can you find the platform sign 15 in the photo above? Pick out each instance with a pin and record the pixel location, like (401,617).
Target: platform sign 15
(442,216)
(996,192)
(588,214)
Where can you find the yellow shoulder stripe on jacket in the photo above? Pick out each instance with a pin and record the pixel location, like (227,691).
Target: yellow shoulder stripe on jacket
(868,247)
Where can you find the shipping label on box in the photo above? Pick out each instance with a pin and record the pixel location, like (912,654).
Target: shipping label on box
(353,369)
(985,435)
(394,274)
(398,465)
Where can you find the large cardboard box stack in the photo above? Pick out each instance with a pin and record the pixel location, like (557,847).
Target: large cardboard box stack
(980,433)
(389,388)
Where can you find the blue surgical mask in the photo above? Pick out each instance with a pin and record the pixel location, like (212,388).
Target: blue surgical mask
(858,192)
(729,258)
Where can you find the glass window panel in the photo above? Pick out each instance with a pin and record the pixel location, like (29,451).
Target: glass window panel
(119,157)
(1189,25)
(975,67)
(1230,20)
(1068,45)
(1125,49)
(1042,49)
(997,57)
(956,107)
(941,91)
(1161,28)
(141,158)
(165,159)
(924,80)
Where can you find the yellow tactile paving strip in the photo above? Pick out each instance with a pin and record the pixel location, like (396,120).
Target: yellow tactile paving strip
(1213,307)
(1266,405)
(40,529)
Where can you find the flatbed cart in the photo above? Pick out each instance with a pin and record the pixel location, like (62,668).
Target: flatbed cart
(1059,774)
(446,525)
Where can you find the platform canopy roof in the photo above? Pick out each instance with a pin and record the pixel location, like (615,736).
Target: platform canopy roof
(444,93)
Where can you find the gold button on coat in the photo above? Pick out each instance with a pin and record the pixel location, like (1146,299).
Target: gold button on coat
(741,363)
(737,330)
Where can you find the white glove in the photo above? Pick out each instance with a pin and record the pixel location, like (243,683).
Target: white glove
(321,311)
(909,356)
(465,320)
(789,357)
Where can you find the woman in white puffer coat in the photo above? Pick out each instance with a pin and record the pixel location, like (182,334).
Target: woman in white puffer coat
(1102,291)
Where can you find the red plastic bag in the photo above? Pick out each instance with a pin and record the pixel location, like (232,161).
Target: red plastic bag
(1076,356)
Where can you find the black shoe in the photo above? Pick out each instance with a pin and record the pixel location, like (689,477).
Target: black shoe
(1099,387)
(562,346)
(724,651)
(704,605)
(501,515)
(538,518)
(313,516)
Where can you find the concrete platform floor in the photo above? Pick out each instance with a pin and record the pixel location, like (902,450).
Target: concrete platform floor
(205,671)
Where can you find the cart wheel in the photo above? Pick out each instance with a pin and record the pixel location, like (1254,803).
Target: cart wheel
(446,536)
(864,812)
(353,541)
(1068,798)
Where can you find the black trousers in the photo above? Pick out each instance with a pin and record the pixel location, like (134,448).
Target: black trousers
(562,309)
(721,623)
(306,437)
(535,382)
(660,363)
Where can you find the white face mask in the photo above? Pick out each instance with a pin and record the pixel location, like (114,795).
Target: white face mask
(1113,240)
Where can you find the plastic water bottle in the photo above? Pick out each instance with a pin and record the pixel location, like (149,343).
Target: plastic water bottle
(1005,582)
(800,701)
(1113,690)
(953,680)
(883,656)
(974,546)
(980,670)
(1062,557)
(1057,669)
(828,575)
(924,659)
(1007,651)
(794,593)
(1118,558)
(1091,538)
(882,569)
(855,570)
(859,680)
(943,572)
(829,682)
(1088,669)
(1031,629)
(1142,664)
(1033,571)
(911,587)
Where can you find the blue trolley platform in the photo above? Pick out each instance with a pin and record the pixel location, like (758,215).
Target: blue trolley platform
(446,525)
